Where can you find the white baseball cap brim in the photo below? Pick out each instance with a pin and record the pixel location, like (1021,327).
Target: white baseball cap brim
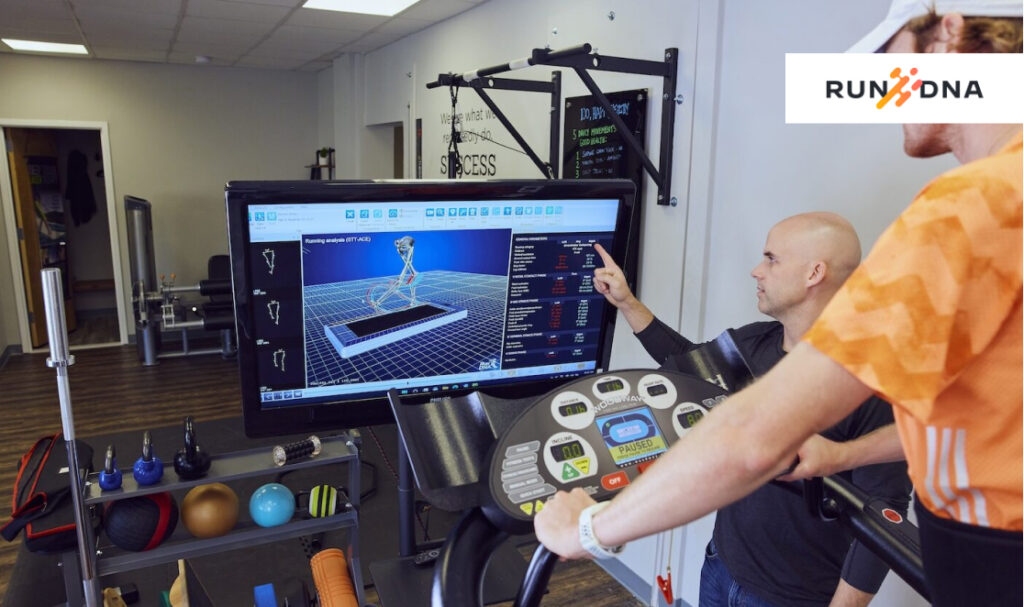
(902,11)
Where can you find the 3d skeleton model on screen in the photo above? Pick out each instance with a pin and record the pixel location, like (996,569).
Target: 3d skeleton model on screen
(408,279)
(389,324)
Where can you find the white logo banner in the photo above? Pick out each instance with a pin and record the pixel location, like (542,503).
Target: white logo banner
(840,88)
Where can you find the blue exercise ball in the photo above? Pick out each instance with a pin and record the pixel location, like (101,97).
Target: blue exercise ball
(271,505)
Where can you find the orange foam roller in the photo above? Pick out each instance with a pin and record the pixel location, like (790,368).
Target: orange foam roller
(330,575)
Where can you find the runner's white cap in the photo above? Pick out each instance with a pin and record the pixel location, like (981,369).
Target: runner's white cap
(902,11)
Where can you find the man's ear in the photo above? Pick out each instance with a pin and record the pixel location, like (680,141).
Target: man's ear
(817,273)
(950,29)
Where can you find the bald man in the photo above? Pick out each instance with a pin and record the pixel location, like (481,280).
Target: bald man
(766,549)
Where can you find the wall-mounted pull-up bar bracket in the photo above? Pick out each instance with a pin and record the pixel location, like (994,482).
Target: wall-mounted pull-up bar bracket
(581,59)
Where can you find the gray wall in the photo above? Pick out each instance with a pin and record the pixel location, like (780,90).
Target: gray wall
(177,134)
(325,108)
(347,110)
(765,170)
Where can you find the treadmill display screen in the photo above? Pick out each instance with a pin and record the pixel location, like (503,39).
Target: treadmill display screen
(687,419)
(631,436)
(567,451)
(612,385)
(572,409)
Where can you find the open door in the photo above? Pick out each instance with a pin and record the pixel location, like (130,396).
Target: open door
(41,221)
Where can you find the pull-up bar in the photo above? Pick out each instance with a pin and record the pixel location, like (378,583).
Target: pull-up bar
(581,60)
(540,56)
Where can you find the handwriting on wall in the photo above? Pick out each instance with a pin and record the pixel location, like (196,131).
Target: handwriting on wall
(474,126)
(594,149)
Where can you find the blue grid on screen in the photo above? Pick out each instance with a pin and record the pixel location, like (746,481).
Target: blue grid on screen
(459,347)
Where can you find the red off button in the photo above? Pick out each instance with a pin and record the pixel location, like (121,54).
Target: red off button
(892,515)
(613,482)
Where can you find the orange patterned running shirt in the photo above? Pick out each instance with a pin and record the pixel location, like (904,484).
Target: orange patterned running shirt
(931,321)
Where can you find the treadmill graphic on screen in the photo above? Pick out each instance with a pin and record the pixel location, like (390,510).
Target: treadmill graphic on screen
(380,306)
(385,326)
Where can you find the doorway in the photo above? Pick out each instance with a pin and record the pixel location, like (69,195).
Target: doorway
(56,189)
(398,165)
(384,151)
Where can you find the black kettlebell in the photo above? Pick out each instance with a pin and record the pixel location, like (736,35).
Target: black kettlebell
(191,461)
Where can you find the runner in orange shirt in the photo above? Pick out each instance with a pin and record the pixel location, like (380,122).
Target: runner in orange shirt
(930,322)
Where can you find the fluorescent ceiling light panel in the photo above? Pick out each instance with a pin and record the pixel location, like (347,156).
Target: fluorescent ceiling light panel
(35,46)
(365,7)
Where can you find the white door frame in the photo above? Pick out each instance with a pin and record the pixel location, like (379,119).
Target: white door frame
(7,202)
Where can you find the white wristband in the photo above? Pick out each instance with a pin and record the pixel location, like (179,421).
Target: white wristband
(587,539)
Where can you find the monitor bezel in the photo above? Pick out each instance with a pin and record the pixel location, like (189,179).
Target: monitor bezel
(350,413)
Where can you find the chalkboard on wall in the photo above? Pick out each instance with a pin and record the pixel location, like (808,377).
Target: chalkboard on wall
(595,149)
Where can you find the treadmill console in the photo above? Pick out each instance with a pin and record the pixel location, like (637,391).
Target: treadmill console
(598,433)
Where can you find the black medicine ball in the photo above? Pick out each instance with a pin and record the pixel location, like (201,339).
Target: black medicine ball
(141,523)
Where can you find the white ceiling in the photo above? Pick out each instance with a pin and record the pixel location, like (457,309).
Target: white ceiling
(271,34)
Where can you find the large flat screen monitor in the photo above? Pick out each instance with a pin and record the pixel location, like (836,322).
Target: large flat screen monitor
(344,290)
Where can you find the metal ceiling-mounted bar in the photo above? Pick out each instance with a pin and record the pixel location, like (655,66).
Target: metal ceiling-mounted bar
(581,60)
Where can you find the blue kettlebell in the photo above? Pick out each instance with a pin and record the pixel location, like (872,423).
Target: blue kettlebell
(148,469)
(110,476)
(271,505)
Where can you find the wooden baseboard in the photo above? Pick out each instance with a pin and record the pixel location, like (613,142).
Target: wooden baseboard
(8,352)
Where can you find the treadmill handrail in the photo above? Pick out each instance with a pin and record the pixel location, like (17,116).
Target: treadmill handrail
(896,543)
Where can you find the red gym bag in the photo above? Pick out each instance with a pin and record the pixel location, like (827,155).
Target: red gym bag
(42,504)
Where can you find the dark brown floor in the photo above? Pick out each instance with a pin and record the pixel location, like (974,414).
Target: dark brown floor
(91,330)
(112,392)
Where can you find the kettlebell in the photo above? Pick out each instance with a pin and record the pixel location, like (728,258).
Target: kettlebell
(110,476)
(191,461)
(148,469)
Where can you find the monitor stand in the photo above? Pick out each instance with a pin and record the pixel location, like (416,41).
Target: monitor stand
(447,477)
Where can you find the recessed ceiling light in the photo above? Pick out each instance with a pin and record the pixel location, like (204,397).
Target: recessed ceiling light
(35,46)
(366,7)
(202,59)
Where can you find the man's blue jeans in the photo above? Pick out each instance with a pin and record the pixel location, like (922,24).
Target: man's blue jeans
(719,589)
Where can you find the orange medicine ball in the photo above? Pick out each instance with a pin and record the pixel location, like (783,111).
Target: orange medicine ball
(210,510)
